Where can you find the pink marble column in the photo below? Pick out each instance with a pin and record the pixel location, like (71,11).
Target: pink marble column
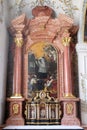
(17,62)
(17,72)
(15,110)
(67,72)
(67,67)
(69,101)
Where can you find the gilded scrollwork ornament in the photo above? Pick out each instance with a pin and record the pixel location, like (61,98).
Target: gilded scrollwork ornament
(15,108)
(26,113)
(69,108)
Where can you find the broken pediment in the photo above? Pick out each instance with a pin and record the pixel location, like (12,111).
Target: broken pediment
(43,27)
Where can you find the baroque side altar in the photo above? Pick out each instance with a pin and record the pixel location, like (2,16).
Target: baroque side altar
(42,70)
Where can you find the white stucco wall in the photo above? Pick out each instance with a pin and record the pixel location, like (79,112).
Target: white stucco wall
(82,65)
(3,66)
(3,61)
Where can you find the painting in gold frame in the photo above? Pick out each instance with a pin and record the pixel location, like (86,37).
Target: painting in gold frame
(42,69)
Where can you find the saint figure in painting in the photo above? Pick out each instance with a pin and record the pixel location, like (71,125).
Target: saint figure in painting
(42,68)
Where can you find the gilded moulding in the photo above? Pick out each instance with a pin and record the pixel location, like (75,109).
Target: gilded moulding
(16,96)
(18,42)
(69,95)
(66,41)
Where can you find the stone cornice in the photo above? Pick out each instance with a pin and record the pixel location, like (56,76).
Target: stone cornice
(18,20)
(43,28)
(15,28)
(64,18)
(19,27)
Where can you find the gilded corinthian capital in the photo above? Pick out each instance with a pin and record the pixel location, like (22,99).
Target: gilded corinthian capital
(66,41)
(18,41)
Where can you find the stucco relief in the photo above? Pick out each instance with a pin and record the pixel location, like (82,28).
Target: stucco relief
(64,6)
(68,7)
(84,86)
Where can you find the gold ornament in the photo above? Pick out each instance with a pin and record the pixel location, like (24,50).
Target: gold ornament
(19,42)
(15,108)
(69,108)
(66,41)
(69,95)
(16,96)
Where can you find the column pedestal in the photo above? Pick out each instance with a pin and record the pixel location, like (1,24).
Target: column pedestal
(70,111)
(15,117)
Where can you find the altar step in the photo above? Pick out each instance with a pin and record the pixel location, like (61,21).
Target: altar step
(43,127)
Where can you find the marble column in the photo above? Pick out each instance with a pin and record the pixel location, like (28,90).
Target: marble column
(15,116)
(67,68)
(69,101)
(17,63)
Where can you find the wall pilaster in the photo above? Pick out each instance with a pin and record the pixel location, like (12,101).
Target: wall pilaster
(81,49)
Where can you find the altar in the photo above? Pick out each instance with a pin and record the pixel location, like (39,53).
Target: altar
(42,74)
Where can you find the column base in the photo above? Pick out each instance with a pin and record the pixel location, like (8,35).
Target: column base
(16,96)
(70,111)
(69,95)
(15,111)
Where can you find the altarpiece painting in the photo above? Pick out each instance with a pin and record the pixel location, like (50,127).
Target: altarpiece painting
(42,68)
